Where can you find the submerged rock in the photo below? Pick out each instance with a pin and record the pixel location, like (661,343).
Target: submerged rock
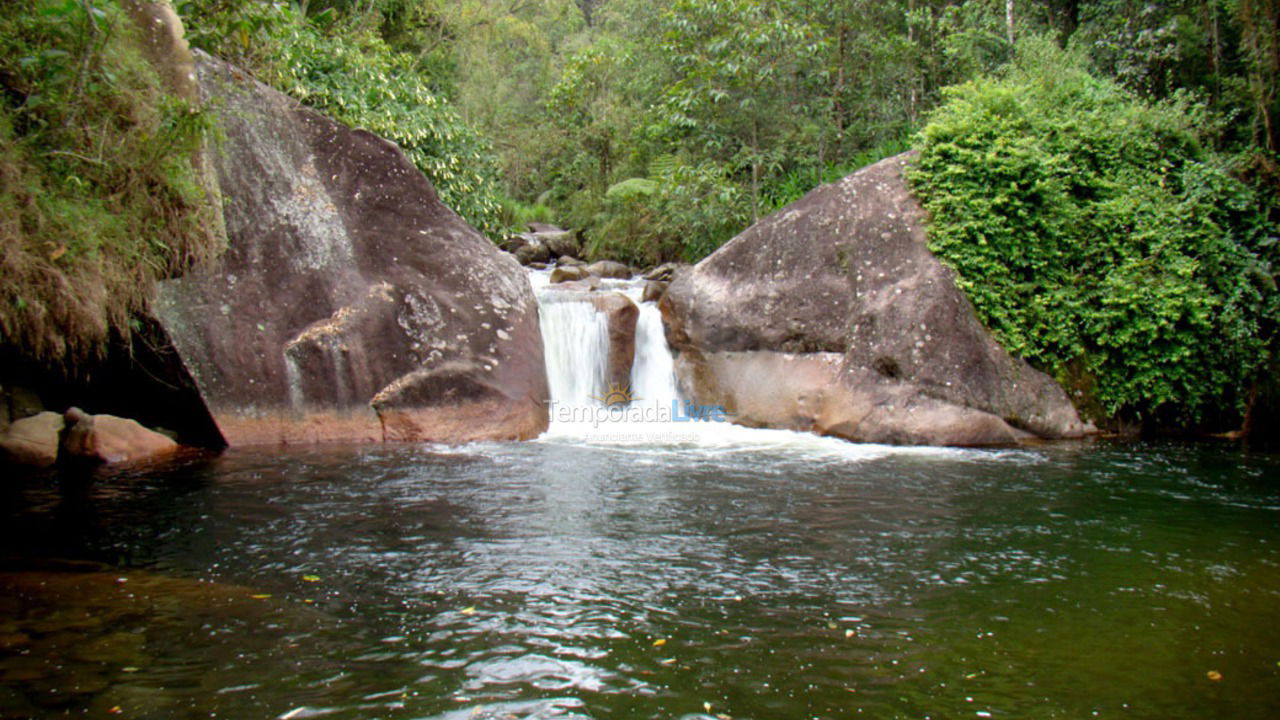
(111,439)
(84,643)
(351,304)
(831,315)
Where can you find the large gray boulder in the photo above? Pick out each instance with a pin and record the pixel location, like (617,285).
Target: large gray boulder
(833,316)
(351,304)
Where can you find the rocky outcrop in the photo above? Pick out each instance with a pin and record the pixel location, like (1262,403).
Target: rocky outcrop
(542,244)
(351,304)
(110,439)
(833,316)
(32,441)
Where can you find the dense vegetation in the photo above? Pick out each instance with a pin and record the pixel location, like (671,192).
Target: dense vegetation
(1102,173)
(98,194)
(1100,237)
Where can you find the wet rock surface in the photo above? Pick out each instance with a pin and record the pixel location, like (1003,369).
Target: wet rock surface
(32,441)
(110,439)
(621,315)
(347,280)
(832,315)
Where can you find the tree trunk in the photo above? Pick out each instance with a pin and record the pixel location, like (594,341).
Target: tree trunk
(913,91)
(755,171)
(838,104)
(1008,20)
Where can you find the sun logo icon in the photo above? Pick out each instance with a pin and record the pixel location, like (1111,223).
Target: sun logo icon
(616,395)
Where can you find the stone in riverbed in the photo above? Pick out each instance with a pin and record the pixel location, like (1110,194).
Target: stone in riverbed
(560,243)
(111,439)
(569,273)
(587,284)
(33,440)
(664,272)
(622,315)
(653,290)
(609,269)
(533,252)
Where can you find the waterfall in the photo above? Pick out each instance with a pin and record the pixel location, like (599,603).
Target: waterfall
(653,376)
(575,337)
(575,340)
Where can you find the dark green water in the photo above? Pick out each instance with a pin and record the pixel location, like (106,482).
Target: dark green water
(547,580)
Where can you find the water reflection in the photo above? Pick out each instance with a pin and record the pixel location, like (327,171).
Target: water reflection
(548,580)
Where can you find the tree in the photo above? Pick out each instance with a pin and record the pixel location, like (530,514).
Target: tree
(746,75)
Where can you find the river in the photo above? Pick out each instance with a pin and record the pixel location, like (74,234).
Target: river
(624,567)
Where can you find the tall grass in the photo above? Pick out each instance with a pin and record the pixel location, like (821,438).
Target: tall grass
(98,195)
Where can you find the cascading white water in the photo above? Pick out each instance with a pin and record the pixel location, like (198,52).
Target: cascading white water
(653,374)
(575,339)
(576,344)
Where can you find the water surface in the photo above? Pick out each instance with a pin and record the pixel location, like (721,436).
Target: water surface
(781,577)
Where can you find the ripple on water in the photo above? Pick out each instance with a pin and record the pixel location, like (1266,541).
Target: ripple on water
(565,708)
(768,579)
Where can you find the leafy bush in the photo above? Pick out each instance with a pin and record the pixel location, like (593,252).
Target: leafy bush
(362,83)
(516,216)
(684,212)
(1098,239)
(98,194)
(348,72)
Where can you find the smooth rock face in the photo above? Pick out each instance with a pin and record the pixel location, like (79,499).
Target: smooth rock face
(609,269)
(32,440)
(351,304)
(562,243)
(568,273)
(622,316)
(833,316)
(111,439)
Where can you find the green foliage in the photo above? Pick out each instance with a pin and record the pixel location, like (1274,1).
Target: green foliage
(98,194)
(798,182)
(362,83)
(516,215)
(631,189)
(243,32)
(346,69)
(745,74)
(1098,238)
